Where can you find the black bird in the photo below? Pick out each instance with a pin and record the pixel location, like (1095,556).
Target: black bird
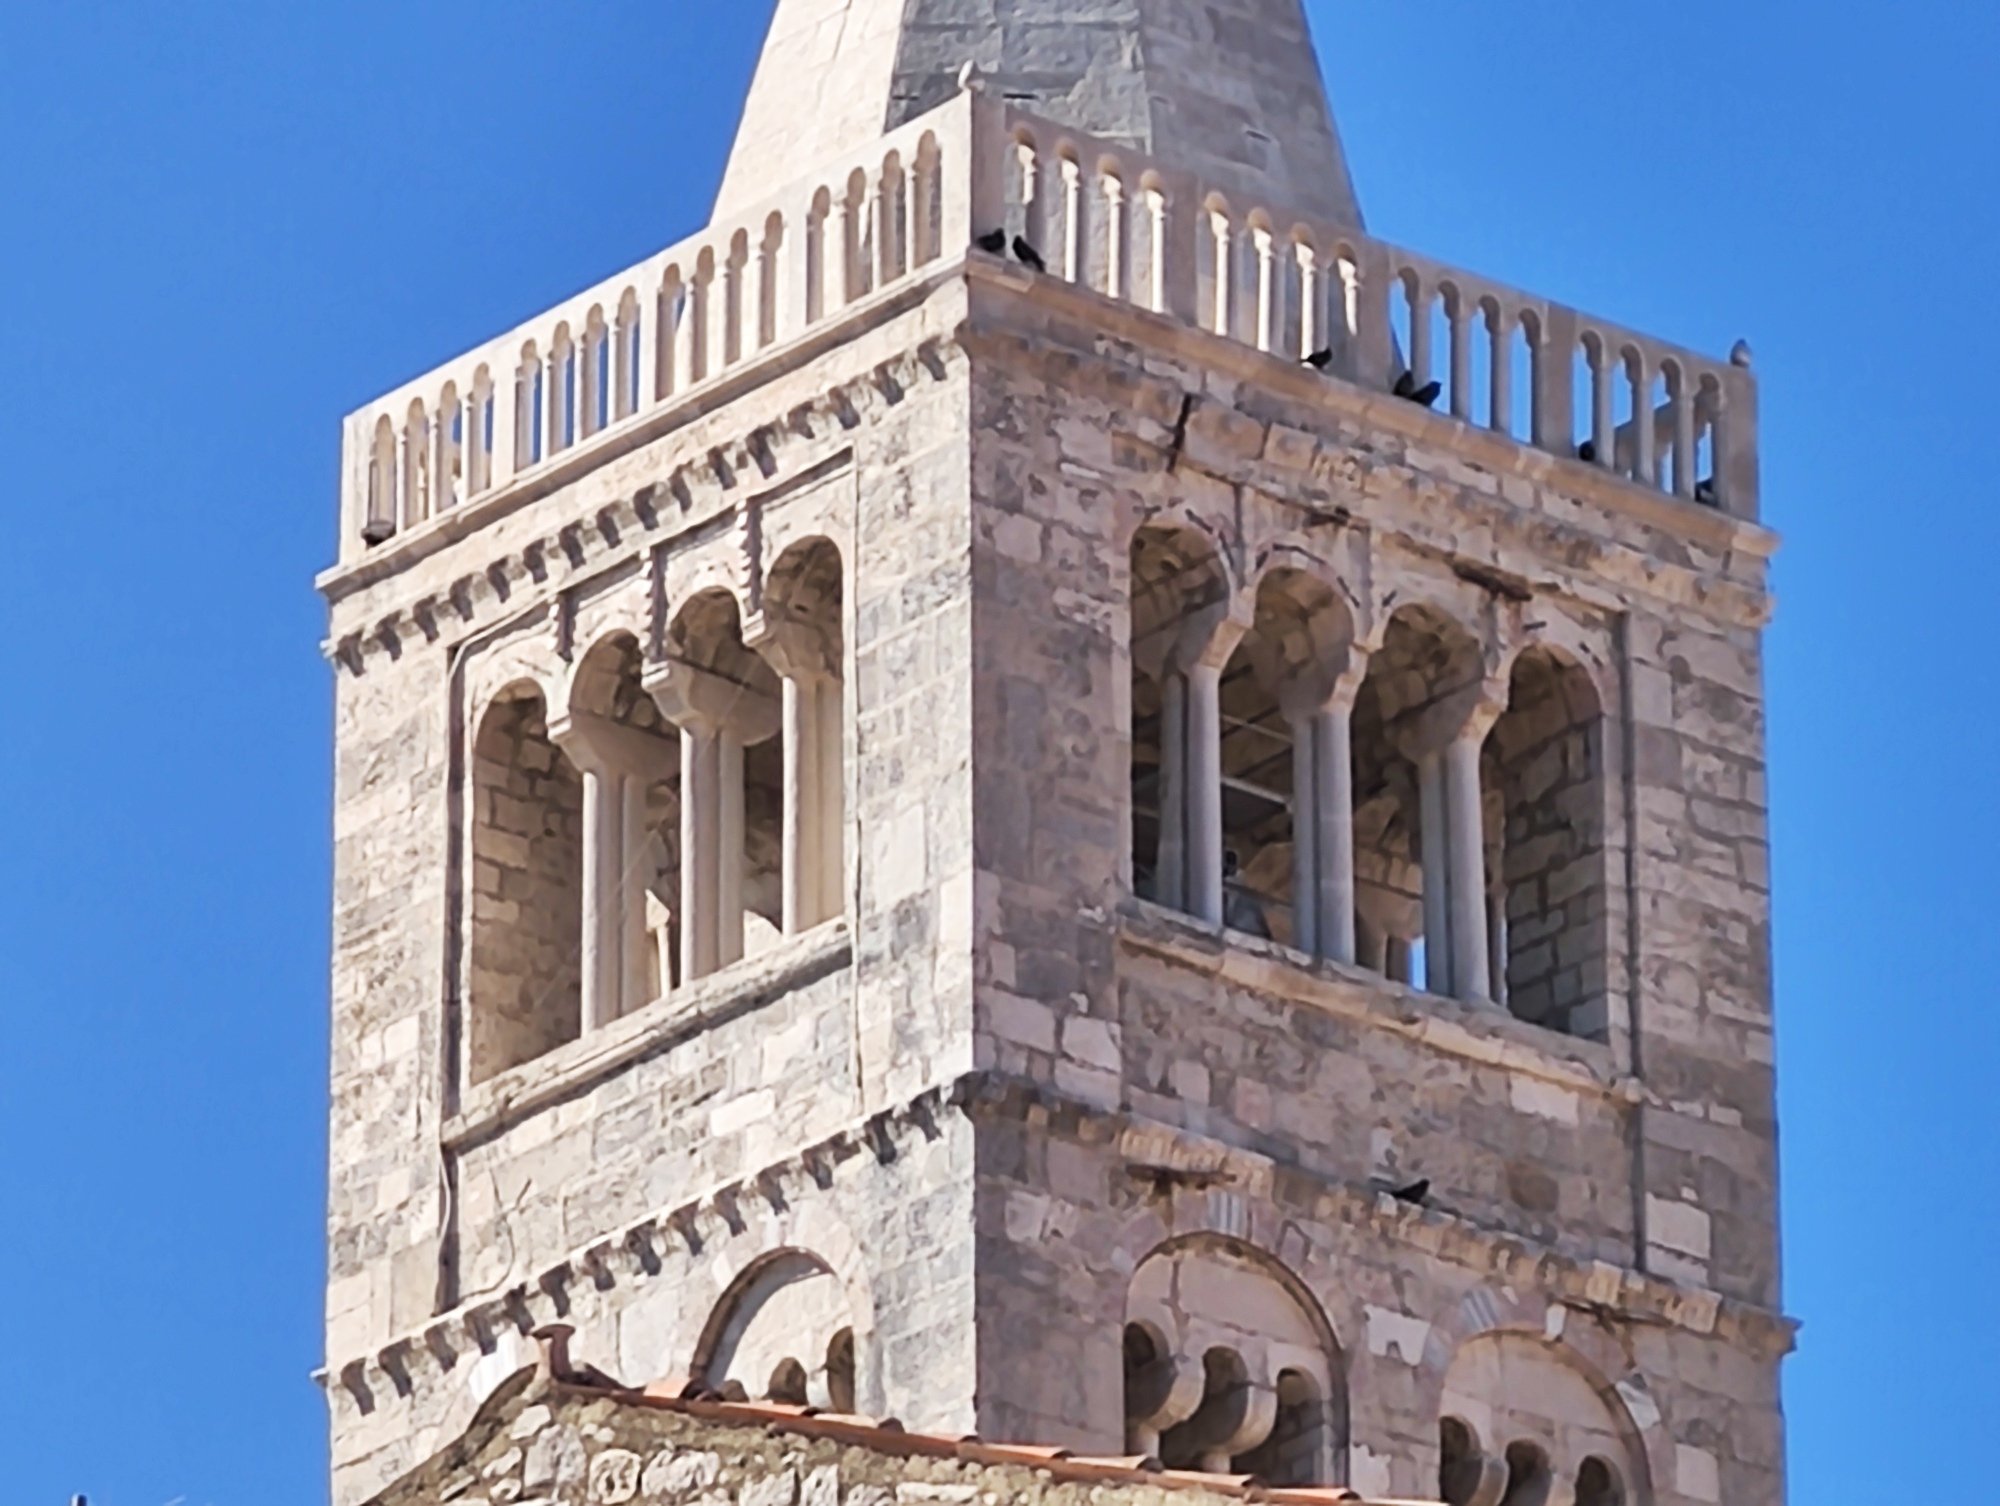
(1587,452)
(1319,360)
(1417,1193)
(1704,492)
(994,241)
(377,531)
(1028,256)
(1425,396)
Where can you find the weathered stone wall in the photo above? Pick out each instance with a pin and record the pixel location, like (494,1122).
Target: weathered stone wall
(982,461)
(1650,1151)
(451,1197)
(524,993)
(1545,824)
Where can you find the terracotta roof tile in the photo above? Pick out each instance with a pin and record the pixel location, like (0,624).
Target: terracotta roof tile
(886,1435)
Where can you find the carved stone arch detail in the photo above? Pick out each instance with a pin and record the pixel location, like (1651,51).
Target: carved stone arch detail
(1232,1363)
(1560,632)
(1580,1341)
(786,1264)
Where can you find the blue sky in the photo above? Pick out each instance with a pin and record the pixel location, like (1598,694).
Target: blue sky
(226,224)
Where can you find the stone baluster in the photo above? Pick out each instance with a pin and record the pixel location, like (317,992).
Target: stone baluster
(1686,455)
(1604,404)
(1267,311)
(1500,383)
(1459,312)
(1553,340)
(1645,433)
(1420,328)
(1075,224)
(1222,305)
(1312,302)
(1113,234)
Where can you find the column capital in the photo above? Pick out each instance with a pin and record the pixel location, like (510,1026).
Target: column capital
(1466,713)
(1332,685)
(696,698)
(796,647)
(599,744)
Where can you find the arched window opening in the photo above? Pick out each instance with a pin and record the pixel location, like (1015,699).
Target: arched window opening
(524,986)
(787,1305)
(1461,1465)
(1420,890)
(726,702)
(1529,1478)
(802,638)
(631,764)
(1180,605)
(1549,922)
(1597,1484)
(1287,791)
(840,1372)
(1227,1419)
(1562,1427)
(1295,1451)
(1229,1367)
(788,1383)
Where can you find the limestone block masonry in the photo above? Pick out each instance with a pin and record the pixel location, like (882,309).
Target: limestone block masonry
(922,836)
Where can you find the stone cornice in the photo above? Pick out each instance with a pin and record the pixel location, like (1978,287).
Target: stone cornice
(1487,1035)
(1290,460)
(1616,1293)
(422,1356)
(693,492)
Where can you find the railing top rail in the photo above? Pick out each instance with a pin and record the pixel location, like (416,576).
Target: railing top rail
(646,275)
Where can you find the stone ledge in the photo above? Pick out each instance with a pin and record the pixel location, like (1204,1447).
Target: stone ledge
(558,471)
(693,492)
(425,1355)
(474,1328)
(1115,319)
(1613,1292)
(1488,1036)
(500,1103)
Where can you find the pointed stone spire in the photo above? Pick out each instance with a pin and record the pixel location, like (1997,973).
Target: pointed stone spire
(1228,89)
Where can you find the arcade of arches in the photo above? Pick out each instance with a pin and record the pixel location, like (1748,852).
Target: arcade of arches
(664,822)
(1405,809)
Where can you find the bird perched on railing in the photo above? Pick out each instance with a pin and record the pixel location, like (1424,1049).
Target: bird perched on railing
(1028,256)
(993,241)
(1319,360)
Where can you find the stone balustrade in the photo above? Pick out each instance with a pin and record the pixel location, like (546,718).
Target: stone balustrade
(1100,216)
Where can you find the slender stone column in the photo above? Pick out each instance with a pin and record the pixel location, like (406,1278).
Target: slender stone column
(831,857)
(700,820)
(729,853)
(1496,944)
(603,840)
(634,879)
(1333,753)
(1306,857)
(1435,836)
(1469,961)
(1170,876)
(1204,774)
(802,797)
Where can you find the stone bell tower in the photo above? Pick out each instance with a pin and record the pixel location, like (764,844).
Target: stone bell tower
(1036,787)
